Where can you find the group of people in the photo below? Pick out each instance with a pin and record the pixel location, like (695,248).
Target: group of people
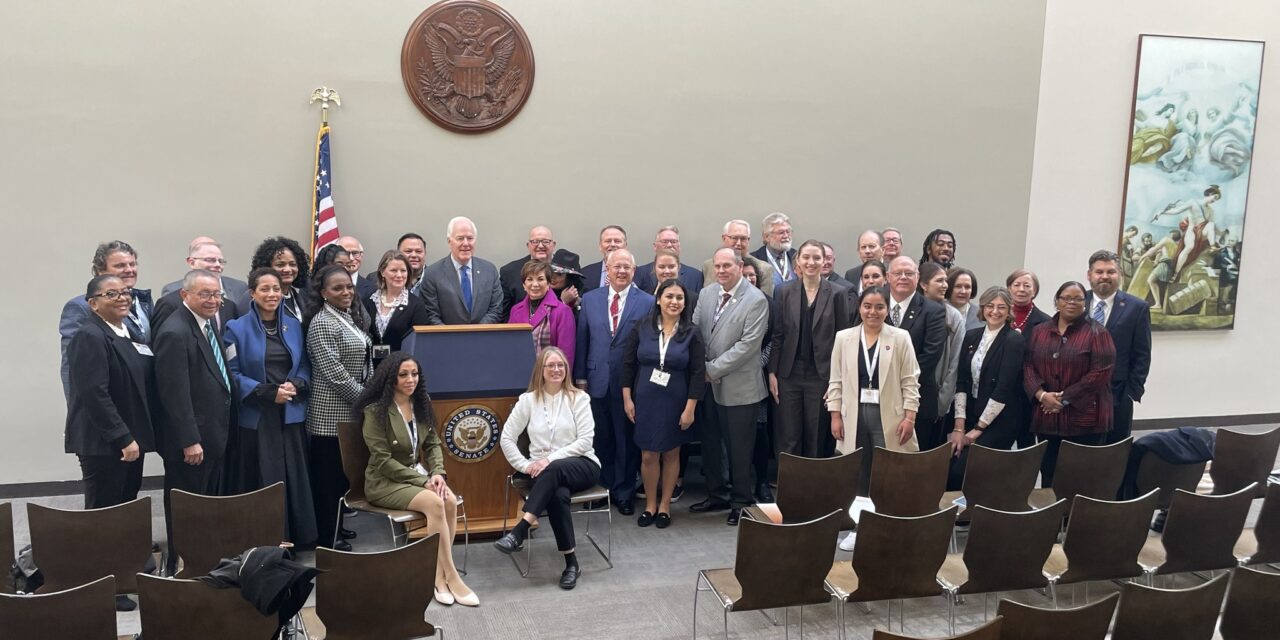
(755,353)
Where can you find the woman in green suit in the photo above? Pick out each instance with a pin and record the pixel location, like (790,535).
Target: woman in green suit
(406,462)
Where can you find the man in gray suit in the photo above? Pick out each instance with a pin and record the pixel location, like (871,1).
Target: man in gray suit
(461,288)
(732,317)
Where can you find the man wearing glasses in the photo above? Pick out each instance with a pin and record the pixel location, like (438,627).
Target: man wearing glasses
(926,321)
(541,245)
(205,254)
(668,238)
(365,285)
(737,236)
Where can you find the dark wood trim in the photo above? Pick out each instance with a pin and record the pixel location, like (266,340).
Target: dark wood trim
(1152,424)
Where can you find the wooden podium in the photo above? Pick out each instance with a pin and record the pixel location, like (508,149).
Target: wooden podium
(474,373)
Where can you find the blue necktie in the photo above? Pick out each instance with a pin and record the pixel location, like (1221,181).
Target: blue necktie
(217,352)
(466,286)
(1099,312)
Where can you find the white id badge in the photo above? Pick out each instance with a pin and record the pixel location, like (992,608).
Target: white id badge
(142,348)
(660,378)
(870,396)
(421,469)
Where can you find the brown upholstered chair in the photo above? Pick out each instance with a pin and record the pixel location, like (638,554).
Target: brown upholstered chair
(404,525)
(909,484)
(75,547)
(207,529)
(1242,458)
(997,479)
(775,566)
(1090,622)
(6,540)
(809,488)
(1102,542)
(1083,470)
(1147,613)
(988,631)
(377,595)
(893,559)
(1006,552)
(174,609)
(1253,606)
(1200,534)
(86,612)
(1260,544)
(1156,473)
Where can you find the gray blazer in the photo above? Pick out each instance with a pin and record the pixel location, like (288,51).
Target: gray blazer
(443,293)
(733,343)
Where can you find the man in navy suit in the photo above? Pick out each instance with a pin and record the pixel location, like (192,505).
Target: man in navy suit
(926,321)
(608,315)
(595,275)
(1128,320)
(668,238)
(461,288)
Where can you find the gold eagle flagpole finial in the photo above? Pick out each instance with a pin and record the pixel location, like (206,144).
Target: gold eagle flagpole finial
(325,95)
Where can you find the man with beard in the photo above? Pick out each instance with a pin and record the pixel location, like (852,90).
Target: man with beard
(939,247)
(776,250)
(414,248)
(1128,320)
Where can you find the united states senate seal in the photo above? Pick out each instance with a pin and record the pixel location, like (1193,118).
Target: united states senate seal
(467,65)
(471,433)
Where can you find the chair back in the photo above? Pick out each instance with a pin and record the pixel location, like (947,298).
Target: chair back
(76,547)
(1242,458)
(784,565)
(908,484)
(810,488)
(1147,613)
(86,612)
(1006,550)
(174,609)
(899,557)
(1094,472)
(1267,528)
(6,540)
(1089,622)
(1253,606)
(207,529)
(355,457)
(999,479)
(988,631)
(1155,472)
(1104,537)
(1201,531)
(377,595)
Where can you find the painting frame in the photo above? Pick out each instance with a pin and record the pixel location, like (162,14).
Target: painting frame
(1187,177)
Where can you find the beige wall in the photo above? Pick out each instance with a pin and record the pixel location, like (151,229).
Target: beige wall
(1082,138)
(157,121)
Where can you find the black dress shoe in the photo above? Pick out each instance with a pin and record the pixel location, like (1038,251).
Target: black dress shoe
(348,511)
(569,579)
(124,603)
(508,544)
(710,504)
(764,493)
(346,534)
(626,507)
(734,516)
(342,545)
(645,519)
(662,520)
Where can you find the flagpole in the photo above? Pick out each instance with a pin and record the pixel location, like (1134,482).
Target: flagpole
(323,95)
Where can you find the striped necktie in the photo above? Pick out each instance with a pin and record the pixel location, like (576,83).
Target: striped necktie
(217,352)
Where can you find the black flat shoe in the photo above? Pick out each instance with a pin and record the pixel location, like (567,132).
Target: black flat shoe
(764,493)
(645,519)
(346,534)
(662,520)
(734,515)
(626,507)
(710,504)
(569,579)
(508,544)
(342,545)
(124,603)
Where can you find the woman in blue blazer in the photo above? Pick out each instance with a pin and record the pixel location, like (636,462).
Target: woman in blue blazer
(267,355)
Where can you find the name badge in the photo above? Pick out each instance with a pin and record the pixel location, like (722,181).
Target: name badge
(142,348)
(870,396)
(660,378)
(421,469)
(381,351)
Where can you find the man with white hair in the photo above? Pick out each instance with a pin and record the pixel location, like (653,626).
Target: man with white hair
(366,285)
(206,253)
(776,250)
(461,288)
(737,236)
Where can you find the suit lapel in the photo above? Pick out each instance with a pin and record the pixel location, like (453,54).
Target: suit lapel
(820,301)
(128,355)
(206,349)
(995,353)
(1118,307)
(628,311)
(909,314)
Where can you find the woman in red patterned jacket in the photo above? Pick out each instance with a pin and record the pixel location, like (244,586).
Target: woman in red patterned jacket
(1068,374)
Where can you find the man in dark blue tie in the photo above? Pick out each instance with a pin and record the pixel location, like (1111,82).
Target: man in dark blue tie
(461,288)
(1128,320)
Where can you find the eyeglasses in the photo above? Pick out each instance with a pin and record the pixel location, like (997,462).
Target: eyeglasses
(208,295)
(112,294)
(739,238)
(995,307)
(219,261)
(669,243)
(1071,300)
(901,275)
(356,253)
(541,243)
(555,365)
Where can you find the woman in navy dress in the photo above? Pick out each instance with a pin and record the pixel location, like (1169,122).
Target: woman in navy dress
(663,377)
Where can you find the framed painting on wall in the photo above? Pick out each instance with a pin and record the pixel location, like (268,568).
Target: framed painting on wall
(1195,107)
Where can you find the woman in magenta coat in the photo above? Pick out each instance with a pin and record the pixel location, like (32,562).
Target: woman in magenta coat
(553,322)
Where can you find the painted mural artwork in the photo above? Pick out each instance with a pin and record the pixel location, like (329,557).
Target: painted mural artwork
(1194,112)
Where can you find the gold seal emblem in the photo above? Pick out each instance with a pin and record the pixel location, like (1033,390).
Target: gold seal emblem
(471,433)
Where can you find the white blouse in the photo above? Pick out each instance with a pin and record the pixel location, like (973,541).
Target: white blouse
(559,426)
(994,407)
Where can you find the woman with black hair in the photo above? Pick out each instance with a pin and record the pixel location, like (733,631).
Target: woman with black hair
(406,462)
(663,378)
(290,261)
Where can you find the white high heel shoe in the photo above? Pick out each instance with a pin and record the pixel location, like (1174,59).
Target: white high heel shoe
(445,597)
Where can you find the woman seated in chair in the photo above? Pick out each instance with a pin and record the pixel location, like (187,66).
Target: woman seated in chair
(399,429)
(560,461)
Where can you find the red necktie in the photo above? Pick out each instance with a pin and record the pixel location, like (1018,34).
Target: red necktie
(613,312)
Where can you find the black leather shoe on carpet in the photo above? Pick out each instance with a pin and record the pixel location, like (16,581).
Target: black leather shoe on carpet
(508,544)
(569,579)
(710,504)
(342,545)
(124,603)
(734,515)
(346,534)
(626,507)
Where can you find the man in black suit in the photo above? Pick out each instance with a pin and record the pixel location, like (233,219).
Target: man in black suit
(595,275)
(1128,320)
(870,247)
(205,253)
(541,246)
(776,250)
(461,288)
(926,321)
(414,248)
(365,284)
(829,267)
(668,238)
(195,392)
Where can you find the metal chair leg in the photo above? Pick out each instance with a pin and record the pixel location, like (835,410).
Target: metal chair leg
(951,612)
(786,622)
(337,523)
(697,583)
(466,538)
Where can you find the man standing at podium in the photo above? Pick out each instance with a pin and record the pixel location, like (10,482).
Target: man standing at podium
(608,315)
(461,288)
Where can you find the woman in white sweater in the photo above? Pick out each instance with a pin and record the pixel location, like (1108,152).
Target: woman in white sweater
(560,461)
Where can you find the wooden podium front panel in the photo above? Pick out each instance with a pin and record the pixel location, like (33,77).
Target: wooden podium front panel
(470,430)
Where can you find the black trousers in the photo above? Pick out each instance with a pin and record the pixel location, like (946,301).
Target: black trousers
(328,484)
(205,479)
(551,492)
(802,424)
(1122,421)
(615,445)
(109,481)
(1050,461)
(733,433)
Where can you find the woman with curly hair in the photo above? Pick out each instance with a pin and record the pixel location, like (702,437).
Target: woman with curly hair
(290,261)
(406,462)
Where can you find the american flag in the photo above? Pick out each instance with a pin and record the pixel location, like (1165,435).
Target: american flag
(324,222)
